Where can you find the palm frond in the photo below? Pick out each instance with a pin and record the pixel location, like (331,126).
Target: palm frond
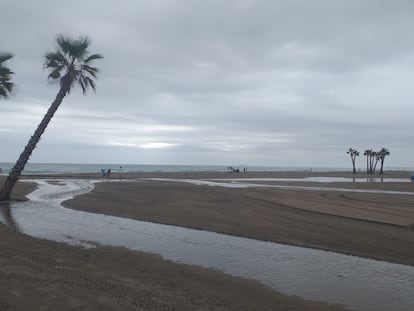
(3,92)
(91,83)
(6,88)
(54,75)
(93,57)
(6,85)
(83,86)
(80,47)
(54,59)
(5,57)
(5,72)
(86,82)
(64,43)
(90,70)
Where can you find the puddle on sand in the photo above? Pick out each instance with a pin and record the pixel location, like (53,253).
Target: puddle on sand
(322,179)
(313,274)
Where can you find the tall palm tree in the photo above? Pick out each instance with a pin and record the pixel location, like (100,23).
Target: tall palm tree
(353,153)
(382,154)
(6,85)
(71,63)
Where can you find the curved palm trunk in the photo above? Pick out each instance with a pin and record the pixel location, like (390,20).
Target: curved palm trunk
(17,169)
(367,165)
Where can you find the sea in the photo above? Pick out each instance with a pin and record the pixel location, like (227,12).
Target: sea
(75,168)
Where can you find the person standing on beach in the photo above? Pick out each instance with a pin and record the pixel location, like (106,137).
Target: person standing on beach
(120,172)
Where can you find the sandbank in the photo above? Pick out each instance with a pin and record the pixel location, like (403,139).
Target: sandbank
(372,225)
(44,275)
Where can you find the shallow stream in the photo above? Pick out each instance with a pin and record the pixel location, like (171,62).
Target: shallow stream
(357,282)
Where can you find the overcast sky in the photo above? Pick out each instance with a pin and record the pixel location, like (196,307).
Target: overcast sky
(282,83)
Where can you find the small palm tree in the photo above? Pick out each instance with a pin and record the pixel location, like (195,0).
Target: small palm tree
(382,154)
(353,153)
(6,86)
(71,63)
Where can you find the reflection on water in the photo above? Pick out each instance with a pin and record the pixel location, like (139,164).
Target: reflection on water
(246,183)
(313,274)
(325,179)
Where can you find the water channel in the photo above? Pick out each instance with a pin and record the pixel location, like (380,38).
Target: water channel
(357,282)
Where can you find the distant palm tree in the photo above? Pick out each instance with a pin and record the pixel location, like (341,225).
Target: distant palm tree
(353,153)
(6,85)
(68,65)
(382,154)
(367,153)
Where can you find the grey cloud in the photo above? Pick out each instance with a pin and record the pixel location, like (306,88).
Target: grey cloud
(245,81)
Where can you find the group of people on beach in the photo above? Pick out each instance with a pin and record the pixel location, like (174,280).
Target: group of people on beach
(107,173)
(236,170)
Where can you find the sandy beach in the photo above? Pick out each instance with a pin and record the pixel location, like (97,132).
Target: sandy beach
(372,225)
(44,275)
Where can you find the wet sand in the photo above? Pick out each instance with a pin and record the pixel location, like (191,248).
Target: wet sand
(378,226)
(44,275)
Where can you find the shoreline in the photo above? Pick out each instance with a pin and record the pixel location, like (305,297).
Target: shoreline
(218,174)
(57,276)
(313,219)
(294,217)
(110,197)
(109,193)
